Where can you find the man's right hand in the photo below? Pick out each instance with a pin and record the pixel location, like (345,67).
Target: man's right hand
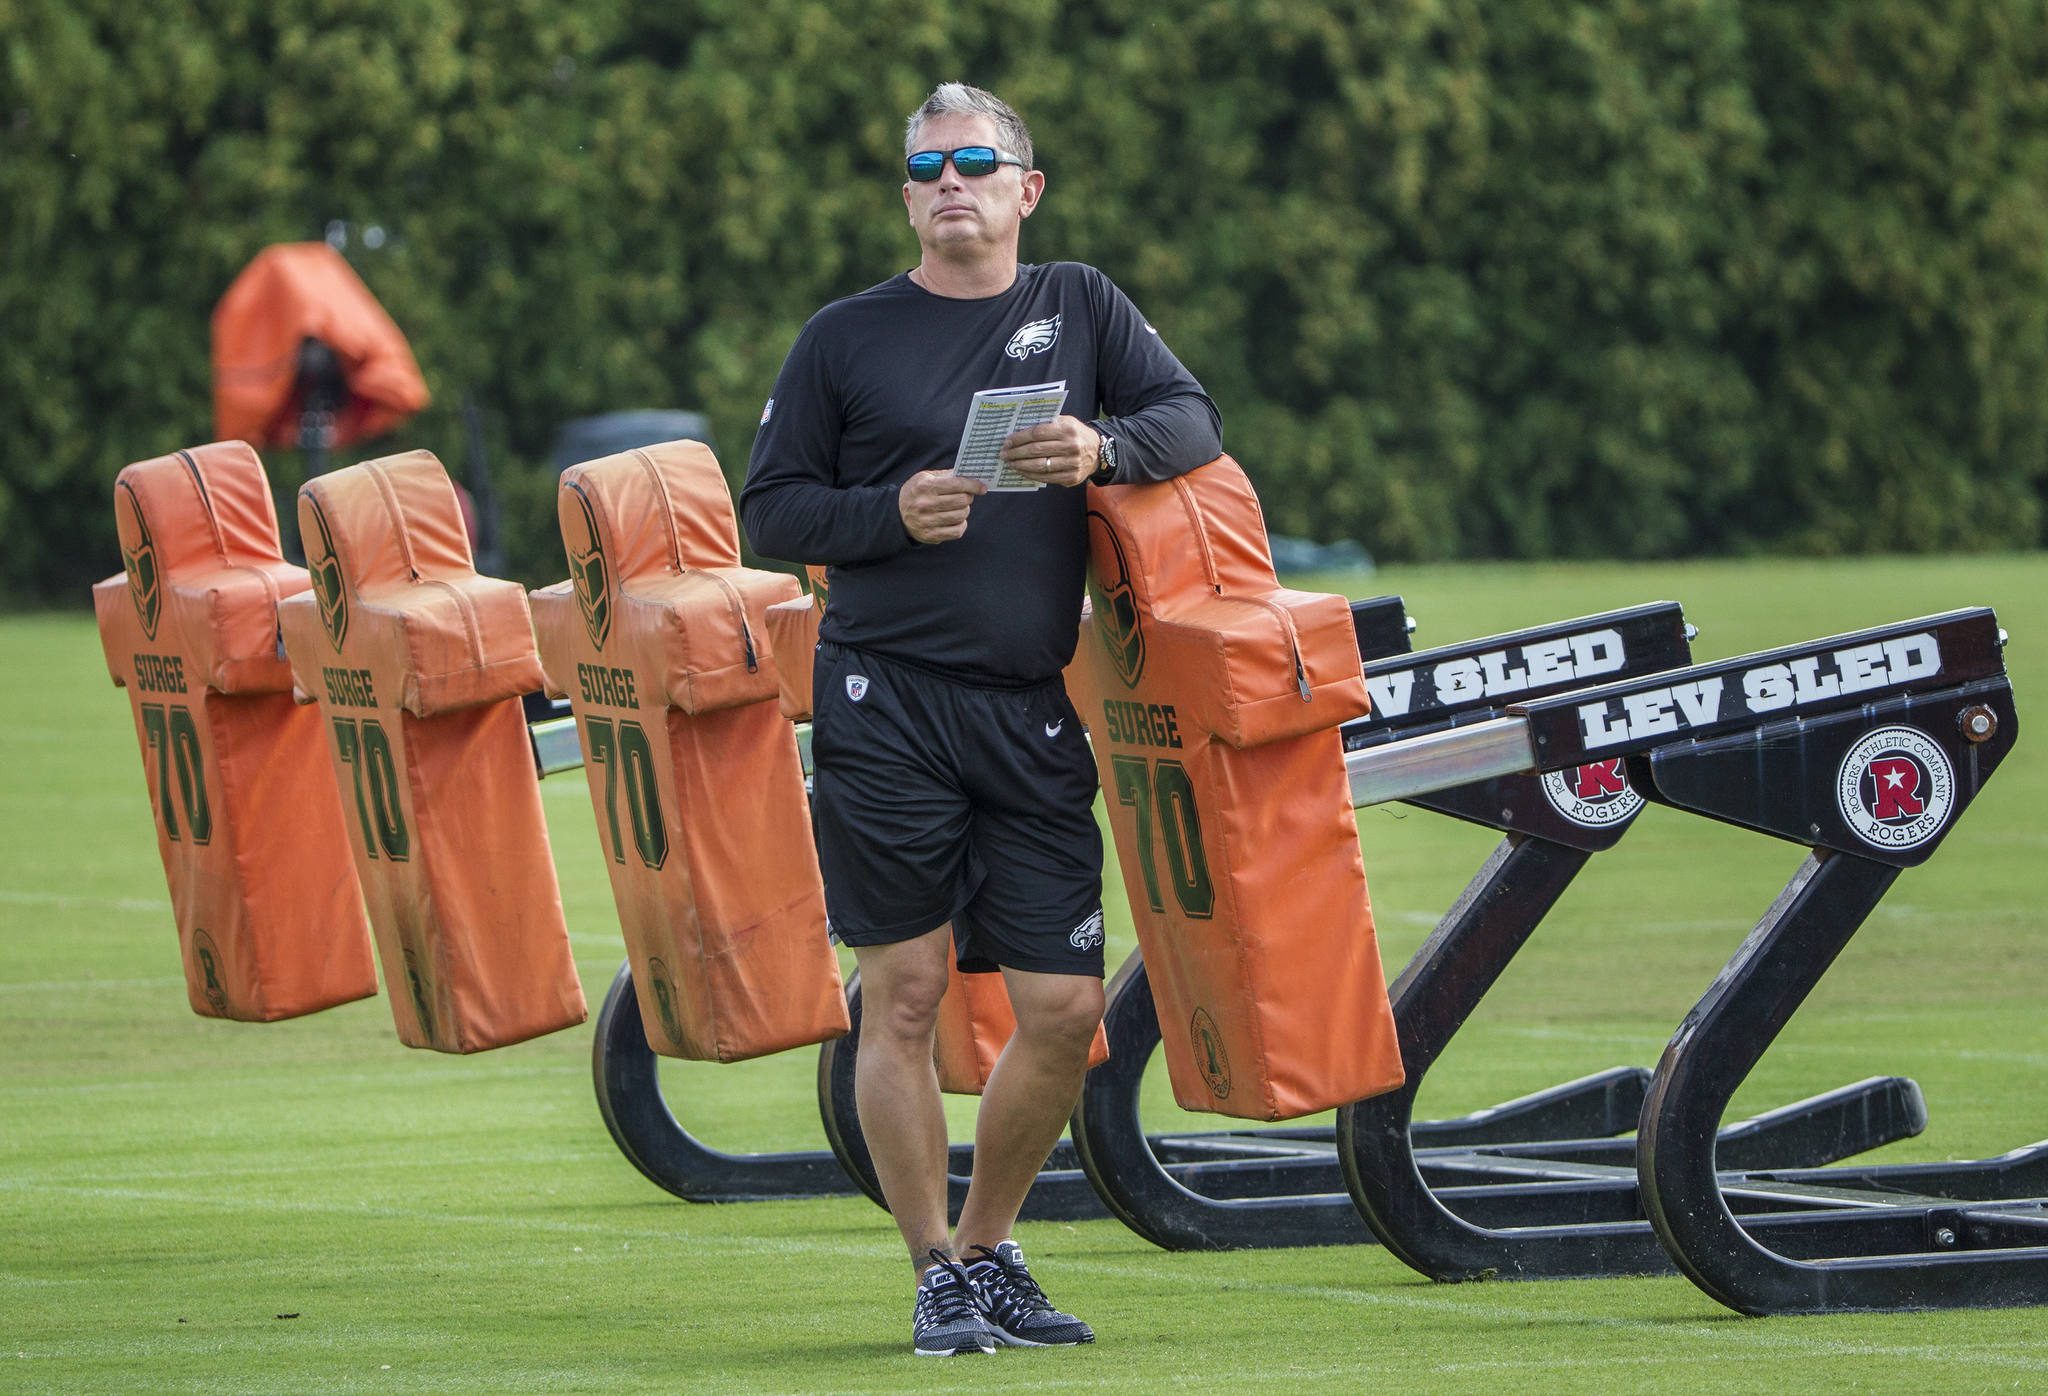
(934,504)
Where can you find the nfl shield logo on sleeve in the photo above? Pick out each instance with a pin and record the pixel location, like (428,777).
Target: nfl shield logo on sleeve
(856,686)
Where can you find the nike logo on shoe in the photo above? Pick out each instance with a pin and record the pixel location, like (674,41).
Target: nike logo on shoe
(1052,729)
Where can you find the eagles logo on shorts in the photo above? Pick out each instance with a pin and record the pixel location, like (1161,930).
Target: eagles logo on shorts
(1116,605)
(1088,935)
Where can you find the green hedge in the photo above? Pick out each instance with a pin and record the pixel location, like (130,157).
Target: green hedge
(1618,277)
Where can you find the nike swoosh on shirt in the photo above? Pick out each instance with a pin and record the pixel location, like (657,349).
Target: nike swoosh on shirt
(1052,729)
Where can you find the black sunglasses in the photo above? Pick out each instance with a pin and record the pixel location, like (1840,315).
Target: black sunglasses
(969,160)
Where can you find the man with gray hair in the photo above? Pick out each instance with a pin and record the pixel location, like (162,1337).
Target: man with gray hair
(954,789)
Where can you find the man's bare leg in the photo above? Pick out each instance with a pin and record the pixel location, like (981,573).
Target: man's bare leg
(896,1088)
(1030,1095)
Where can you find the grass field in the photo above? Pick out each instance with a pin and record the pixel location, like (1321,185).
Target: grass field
(188,1205)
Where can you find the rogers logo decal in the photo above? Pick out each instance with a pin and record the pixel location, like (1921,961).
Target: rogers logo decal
(1595,795)
(1896,788)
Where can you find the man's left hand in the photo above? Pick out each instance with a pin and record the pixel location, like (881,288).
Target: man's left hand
(1059,452)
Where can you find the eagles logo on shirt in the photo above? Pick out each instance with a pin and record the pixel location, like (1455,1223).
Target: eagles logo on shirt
(1034,338)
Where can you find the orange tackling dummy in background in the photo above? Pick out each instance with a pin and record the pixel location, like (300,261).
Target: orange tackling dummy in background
(291,293)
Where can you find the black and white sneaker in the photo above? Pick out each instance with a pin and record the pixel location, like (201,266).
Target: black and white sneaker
(947,1319)
(1016,1308)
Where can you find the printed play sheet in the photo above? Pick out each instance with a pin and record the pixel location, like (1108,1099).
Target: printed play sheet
(994,415)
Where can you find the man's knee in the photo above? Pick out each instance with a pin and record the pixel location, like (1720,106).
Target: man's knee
(904,1003)
(1062,1011)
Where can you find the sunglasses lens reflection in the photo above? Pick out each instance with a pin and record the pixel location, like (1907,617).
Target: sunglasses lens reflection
(928,165)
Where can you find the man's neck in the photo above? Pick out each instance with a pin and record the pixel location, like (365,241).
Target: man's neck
(968,279)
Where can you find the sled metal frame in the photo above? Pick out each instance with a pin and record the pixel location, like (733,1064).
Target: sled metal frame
(1762,1241)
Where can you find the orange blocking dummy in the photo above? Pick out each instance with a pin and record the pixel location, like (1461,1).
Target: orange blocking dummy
(659,639)
(417,664)
(1213,705)
(270,920)
(793,635)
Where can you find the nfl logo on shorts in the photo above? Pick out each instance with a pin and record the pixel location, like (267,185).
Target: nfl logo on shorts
(856,686)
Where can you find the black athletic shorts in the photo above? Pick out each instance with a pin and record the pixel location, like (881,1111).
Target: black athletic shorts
(938,800)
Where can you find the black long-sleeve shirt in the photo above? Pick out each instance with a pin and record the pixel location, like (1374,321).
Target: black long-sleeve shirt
(877,388)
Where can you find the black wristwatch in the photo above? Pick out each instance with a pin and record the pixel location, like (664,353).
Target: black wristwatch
(1105,460)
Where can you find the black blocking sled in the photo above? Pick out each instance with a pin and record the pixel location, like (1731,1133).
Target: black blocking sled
(1866,748)
(1279,1161)
(1553,824)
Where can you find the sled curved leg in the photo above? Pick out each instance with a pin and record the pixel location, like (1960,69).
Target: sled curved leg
(648,1134)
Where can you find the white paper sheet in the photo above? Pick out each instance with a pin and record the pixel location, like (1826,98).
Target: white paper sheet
(994,415)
